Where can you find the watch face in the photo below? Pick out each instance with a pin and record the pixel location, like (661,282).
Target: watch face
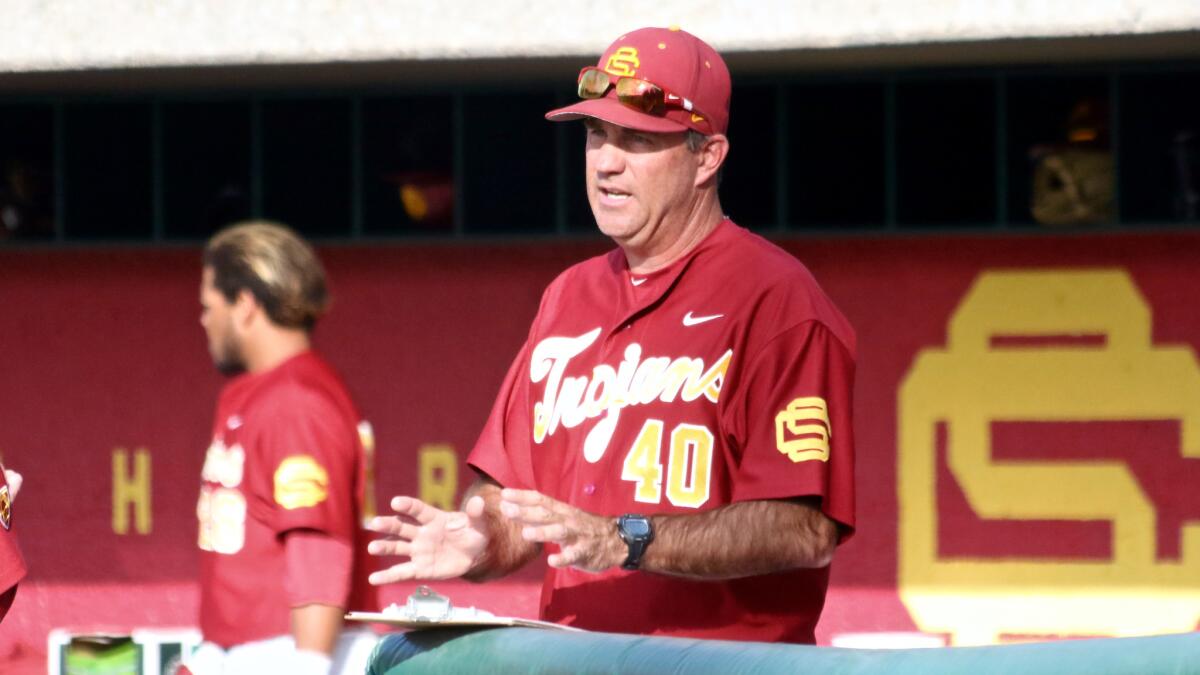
(637,527)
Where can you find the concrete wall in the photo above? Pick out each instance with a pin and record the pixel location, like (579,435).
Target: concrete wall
(73,35)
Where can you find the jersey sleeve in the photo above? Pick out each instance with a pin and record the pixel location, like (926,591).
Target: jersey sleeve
(502,450)
(317,569)
(789,422)
(305,466)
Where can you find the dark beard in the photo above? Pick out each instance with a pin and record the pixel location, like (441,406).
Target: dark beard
(230,368)
(229,362)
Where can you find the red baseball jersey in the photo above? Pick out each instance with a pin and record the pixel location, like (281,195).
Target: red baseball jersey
(12,563)
(722,378)
(287,453)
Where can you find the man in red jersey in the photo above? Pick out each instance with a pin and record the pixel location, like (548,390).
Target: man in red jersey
(281,496)
(676,432)
(12,563)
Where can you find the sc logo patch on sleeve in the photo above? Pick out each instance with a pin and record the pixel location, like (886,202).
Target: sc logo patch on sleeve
(5,508)
(802,430)
(300,482)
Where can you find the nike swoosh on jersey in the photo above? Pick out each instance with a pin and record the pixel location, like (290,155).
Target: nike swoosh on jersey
(637,282)
(689,320)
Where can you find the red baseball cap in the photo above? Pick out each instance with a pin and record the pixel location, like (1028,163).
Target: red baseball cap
(676,61)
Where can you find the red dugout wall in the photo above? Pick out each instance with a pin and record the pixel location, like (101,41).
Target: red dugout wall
(106,393)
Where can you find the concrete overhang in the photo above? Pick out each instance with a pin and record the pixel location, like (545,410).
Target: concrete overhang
(164,44)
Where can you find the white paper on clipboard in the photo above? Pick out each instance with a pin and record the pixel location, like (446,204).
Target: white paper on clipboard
(427,609)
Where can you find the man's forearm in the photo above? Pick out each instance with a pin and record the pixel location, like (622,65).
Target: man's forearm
(506,550)
(315,627)
(741,540)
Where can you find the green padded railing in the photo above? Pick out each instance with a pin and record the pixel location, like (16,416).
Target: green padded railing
(532,650)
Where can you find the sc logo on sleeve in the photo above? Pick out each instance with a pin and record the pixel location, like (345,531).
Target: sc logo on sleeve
(802,430)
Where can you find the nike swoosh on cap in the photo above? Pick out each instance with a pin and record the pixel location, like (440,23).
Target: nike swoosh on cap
(689,320)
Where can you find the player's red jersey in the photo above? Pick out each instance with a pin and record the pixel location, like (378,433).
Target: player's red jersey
(286,454)
(12,563)
(722,378)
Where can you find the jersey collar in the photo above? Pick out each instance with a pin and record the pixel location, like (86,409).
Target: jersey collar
(640,292)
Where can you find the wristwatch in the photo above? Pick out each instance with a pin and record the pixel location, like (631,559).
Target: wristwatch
(637,532)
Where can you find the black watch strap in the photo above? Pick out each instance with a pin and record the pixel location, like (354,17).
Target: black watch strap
(637,531)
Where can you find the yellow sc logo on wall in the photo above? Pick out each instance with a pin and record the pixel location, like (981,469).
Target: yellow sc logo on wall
(977,380)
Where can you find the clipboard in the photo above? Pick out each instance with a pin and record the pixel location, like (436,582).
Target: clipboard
(427,609)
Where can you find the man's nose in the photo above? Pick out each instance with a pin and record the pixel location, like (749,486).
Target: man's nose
(610,158)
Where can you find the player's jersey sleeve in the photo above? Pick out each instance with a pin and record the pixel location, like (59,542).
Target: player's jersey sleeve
(305,462)
(789,422)
(503,448)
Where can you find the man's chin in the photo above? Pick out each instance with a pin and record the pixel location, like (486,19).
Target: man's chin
(616,230)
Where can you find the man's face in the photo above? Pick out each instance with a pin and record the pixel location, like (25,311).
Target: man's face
(216,315)
(641,186)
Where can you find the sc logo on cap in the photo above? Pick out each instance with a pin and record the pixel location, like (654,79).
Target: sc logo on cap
(624,62)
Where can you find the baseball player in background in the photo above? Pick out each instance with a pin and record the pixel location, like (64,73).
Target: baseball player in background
(12,563)
(281,496)
(676,432)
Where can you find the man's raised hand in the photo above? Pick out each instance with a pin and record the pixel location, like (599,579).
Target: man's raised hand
(439,544)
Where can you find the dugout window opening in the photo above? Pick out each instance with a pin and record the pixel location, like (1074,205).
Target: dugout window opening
(107,171)
(28,188)
(962,150)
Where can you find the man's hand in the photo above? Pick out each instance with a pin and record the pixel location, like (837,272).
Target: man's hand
(587,541)
(439,544)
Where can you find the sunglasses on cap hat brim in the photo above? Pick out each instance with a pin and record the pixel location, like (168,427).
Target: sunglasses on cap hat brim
(636,104)
(639,94)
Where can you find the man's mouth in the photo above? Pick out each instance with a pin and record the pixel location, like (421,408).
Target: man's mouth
(614,194)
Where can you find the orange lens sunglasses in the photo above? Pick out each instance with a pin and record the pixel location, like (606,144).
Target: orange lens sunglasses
(637,94)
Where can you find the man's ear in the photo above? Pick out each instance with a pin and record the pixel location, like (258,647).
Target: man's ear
(245,308)
(710,157)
